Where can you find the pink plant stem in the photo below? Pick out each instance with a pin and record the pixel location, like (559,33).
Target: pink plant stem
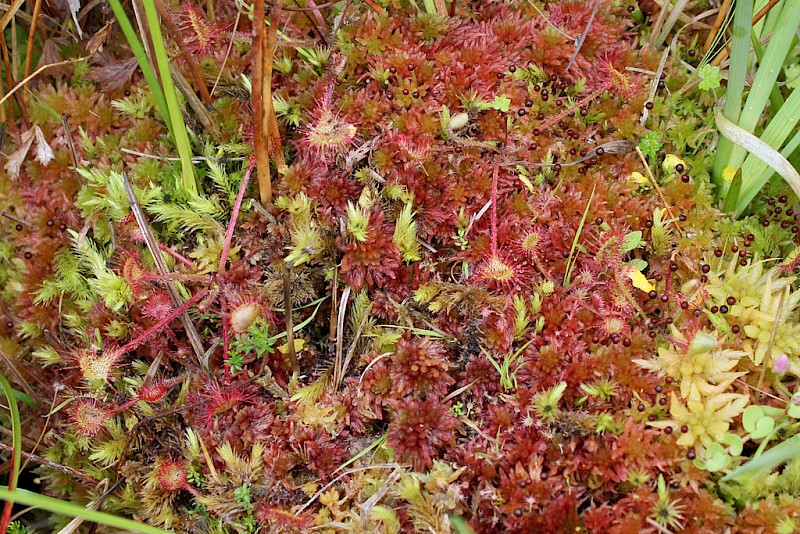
(223,259)
(495,176)
(175,255)
(132,344)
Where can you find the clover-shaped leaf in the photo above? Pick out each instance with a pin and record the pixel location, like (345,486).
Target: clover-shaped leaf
(716,458)
(734,443)
(794,406)
(757,423)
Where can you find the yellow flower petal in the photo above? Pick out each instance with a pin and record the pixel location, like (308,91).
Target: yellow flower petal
(639,281)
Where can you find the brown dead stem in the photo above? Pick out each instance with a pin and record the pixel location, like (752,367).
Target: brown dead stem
(172,29)
(723,54)
(37,9)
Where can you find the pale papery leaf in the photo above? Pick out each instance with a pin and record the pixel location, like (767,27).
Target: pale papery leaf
(14,163)
(43,151)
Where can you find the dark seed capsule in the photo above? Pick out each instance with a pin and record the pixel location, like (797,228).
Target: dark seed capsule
(651,417)
(28,255)
(600,151)
(723,309)
(783,199)
(731,301)
(512,68)
(691,454)
(584,112)
(718,253)
(696,313)
(557,167)
(540,116)
(684,305)
(682,217)
(18,227)
(648,223)
(668,430)
(521,112)
(405,91)
(735,329)
(668,380)
(9,325)
(659,389)
(62,227)
(703,280)
(684,429)
(648,105)
(641,407)
(679,167)
(675,484)
(665,298)
(714,309)
(415,94)
(528,103)
(692,53)
(662,401)
(706,268)
(685,178)
(518,512)
(51,223)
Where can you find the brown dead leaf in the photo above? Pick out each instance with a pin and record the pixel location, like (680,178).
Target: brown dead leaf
(98,40)
(110,73)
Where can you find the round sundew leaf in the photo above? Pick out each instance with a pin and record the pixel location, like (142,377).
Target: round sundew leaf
(734,443)
(751,416)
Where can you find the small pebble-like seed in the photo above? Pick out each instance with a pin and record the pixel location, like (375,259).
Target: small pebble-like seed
(679,167)
(584,112)
(648,105)
(641,407)
(735,329)
(415,94)
(28,255)
(668,430)
(682,217)
(18,227)
(714,309)
(742,253)
(540,116)
(783,199)
(659,389)
(528,103)
(684,429)
(696,313)
(718,253)
(706,268)
(731,301)
(703,279)
(734,248)
(521,112)
(662,401)
(723,309)
(51,223)
(512,68)
(684,305)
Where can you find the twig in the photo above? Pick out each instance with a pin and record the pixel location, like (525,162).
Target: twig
(582,38)
(772,334)
(52,464)
(152,246)
(172,28)
(37,72)
(227,52)
(657,188)
(723,54)
(70,143)
(340,333)
(352,350)
(197,106)
(37,9)
(287,306)
(712,35)
(16,219)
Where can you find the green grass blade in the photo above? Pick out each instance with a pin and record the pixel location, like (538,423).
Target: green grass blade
(766,76)
(777,131)
(733,193)
(571,260)
(181,136)
(16,432)
(775,98)
(141,58)
(737,72)
(775,456)
(57,506)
